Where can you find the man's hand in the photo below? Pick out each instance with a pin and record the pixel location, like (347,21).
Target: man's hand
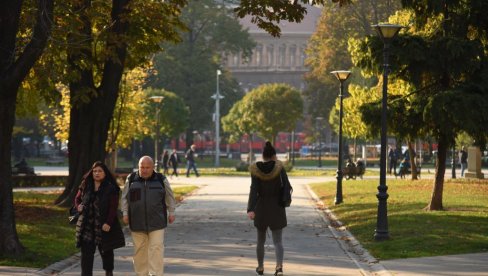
(251,215)
(171,218)
(125,219)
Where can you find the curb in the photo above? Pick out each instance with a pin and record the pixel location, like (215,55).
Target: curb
(367,264)
(63,265)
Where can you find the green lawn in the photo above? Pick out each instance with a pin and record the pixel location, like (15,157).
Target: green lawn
(461,228)
(44,231)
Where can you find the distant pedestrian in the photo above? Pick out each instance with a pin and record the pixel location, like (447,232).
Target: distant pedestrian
(263,205)
(404,167)
(97,201)
(165,162)
(174,160)
(148,204)
(392,161)
(463,160)
(190,160)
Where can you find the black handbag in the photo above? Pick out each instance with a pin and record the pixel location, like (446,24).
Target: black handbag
(73,215)
(286,192)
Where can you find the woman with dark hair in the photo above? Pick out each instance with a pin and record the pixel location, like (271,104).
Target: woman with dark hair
(264,205)
(97,201)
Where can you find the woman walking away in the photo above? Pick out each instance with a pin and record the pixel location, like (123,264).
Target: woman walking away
(264,205)
(98,226)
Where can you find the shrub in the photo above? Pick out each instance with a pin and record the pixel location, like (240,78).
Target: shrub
(288,166)
(242,167)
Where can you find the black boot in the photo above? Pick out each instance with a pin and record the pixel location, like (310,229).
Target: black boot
(109,273)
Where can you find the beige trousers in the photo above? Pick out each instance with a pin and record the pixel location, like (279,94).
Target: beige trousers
(149,253)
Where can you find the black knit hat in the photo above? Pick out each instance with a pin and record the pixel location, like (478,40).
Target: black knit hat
(268,150)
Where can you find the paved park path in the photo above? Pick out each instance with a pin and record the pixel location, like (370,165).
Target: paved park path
(212,236)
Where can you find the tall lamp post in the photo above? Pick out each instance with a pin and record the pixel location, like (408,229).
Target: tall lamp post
(319,129)
(157,100)
(342,76)
(387,32)
(217,99)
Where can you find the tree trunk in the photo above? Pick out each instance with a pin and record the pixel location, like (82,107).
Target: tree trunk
(413,165)
(9,241)
(436,199)
(90,121)
(14,67)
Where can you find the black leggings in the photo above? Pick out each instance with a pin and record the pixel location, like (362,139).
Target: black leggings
(278,245)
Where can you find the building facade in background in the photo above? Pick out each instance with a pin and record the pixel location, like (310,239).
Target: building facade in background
(275,60)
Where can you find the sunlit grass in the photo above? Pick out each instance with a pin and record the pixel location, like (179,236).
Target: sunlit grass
(461,228)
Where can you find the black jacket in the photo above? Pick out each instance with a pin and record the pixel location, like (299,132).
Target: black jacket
(264,196)
(115,237)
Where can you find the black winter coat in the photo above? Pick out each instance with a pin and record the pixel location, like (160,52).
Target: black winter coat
(265,193)
(115,237)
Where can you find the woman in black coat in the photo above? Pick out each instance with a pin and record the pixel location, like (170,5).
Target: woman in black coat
(264,205)
(97,201)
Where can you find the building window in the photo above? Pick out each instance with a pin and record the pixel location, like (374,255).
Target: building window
(270,55)
(259,55)
(303,55)
(293,52)
(282,55)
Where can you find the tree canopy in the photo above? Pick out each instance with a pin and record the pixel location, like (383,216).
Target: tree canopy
(267,110)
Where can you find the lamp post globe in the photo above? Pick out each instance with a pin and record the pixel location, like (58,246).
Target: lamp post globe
(157,100)
(342,76)
(386,32)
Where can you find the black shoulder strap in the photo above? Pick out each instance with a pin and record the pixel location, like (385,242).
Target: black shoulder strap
(161,178)
(132,176)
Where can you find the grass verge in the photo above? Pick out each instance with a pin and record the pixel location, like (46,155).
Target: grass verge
(461,228)
(44,231)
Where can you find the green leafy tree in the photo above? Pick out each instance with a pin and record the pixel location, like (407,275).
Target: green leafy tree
(443,55)
(189,68)
(274,107)
(173,115)
(240,121)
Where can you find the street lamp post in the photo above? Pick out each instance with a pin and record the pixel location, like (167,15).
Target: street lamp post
(319,129)
(157,100)
(217,99)
(342,76)
(387,32)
